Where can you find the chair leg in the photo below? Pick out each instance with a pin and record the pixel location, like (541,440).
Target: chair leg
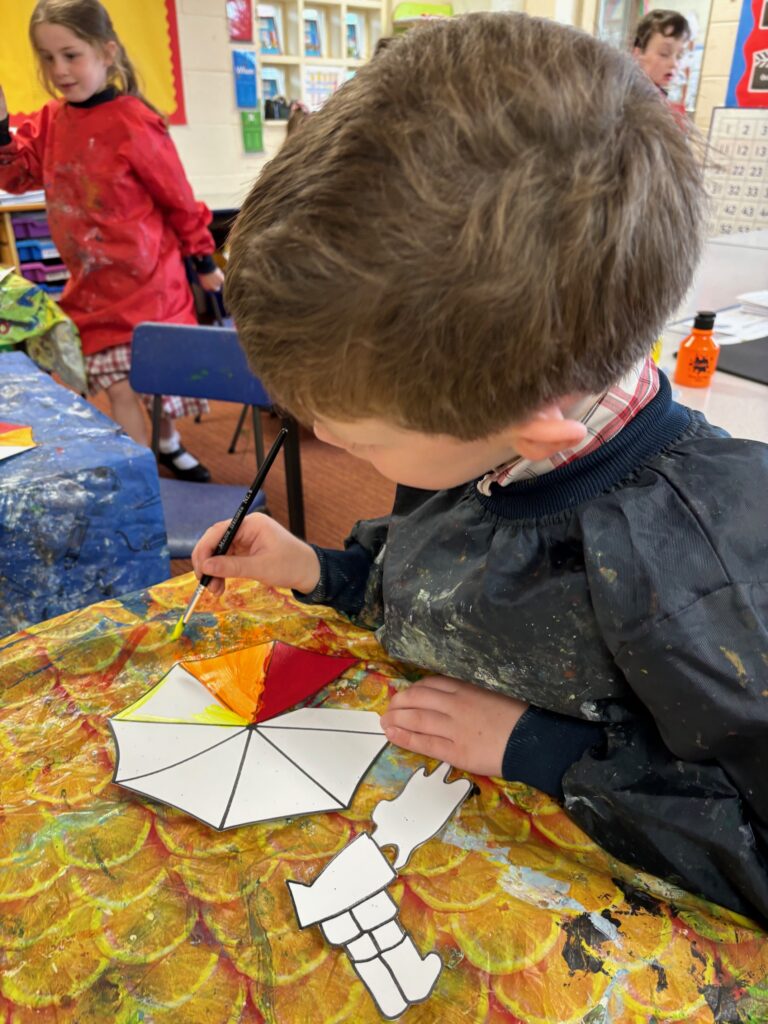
(292,455)
(238,430)
(157,412)
(258,435)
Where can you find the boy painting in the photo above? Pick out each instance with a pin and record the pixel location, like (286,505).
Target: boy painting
(457,273)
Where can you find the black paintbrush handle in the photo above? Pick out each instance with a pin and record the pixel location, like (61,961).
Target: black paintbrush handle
(229,534)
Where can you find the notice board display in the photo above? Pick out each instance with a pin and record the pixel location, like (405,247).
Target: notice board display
(748,83)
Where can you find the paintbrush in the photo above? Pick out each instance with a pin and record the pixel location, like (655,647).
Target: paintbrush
(223,546)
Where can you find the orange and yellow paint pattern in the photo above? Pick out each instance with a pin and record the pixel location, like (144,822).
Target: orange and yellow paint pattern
(14,439)
(115,908)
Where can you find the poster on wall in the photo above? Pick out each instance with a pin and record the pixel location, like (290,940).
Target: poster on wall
(748,84)
(244,66)
(240,21)
(147,29)
(736,171)
(253,137)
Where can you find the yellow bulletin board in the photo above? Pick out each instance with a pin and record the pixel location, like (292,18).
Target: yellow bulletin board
(147,29)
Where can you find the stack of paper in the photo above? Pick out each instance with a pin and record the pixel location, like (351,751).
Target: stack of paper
(736,323)
(10,199)
(754,303)
(731,326)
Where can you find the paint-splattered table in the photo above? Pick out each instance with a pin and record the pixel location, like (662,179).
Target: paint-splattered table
(80,514)
(116,909)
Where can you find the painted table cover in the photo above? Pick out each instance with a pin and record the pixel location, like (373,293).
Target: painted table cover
(117,909)
(80,515)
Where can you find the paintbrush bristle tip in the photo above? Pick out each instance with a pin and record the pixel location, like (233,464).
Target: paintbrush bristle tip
(178,629)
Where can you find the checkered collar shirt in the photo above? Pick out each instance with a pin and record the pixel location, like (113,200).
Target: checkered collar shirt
(603,415)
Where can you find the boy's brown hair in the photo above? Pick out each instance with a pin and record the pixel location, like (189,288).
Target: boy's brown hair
(496,212)
(665,23)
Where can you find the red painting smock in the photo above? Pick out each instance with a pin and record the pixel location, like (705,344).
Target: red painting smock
(120,210)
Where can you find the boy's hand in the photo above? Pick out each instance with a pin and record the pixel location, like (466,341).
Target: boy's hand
(3,105)
(261,550)
(212,282)
(460,723)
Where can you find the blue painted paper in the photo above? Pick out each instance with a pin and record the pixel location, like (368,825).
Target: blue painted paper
(80,514)
(244,65)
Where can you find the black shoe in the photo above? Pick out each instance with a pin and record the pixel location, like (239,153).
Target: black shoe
(195,474)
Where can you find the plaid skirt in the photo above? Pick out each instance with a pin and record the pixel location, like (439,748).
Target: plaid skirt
(112,365)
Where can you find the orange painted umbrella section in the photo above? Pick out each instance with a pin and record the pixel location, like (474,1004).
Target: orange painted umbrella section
(260,682)
(14,436)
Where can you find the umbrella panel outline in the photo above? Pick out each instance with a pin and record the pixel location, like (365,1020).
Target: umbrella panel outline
(178,744)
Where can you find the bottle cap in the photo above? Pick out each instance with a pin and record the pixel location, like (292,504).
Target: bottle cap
(704,321)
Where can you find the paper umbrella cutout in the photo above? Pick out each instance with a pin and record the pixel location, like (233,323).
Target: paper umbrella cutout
(14,439)
(184,747)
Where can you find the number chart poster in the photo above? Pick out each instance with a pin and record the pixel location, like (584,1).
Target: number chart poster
(736,173)
(147,29)
(748,84)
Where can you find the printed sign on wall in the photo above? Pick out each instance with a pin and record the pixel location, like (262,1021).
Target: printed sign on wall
(240,21)
(748,84)
(244,64)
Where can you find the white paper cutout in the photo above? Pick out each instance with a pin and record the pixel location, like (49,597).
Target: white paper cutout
(142,752)
(350,902)
(180,745)
(345,882)
(362,948)
(419,812)
(15,438)
(178,697)
(375,911)
(387,936)
(341,929)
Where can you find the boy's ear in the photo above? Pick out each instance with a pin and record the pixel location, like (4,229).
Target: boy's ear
(547,432)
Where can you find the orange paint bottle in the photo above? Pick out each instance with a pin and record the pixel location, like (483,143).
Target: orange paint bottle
(697,356)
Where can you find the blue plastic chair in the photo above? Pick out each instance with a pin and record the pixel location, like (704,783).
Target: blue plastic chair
(206,362)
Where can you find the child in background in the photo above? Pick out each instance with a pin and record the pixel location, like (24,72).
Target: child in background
(120,209)
(661,39)
(485,259)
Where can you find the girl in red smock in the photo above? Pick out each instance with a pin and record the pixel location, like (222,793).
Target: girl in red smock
(120,209)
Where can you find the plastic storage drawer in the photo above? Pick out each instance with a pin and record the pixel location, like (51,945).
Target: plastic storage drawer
(44,249)
(47,272)
(31,225)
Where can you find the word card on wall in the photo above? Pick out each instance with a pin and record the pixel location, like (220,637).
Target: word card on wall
(736,171)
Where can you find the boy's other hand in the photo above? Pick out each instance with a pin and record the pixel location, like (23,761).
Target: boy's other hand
(261,550)
(3,105)
(457,722)
(212,282)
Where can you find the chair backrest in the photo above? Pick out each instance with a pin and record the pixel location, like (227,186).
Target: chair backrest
(195,362)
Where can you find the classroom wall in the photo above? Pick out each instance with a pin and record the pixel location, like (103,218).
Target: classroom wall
(718,54)
(210,144)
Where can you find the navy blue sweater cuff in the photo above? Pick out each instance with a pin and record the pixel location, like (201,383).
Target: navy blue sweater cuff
(5,132)
(204,264)
(544,745)
(343,578)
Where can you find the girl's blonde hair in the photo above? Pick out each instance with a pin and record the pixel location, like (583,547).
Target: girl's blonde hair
(89,21)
